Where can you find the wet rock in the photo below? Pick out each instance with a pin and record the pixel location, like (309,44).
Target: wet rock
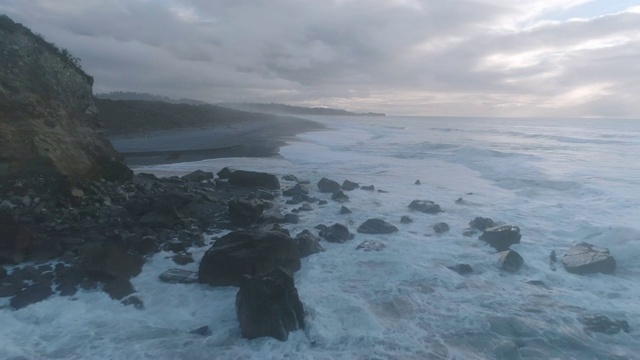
(345,210)
(247,253)
(461,269)
(417,182)
(109,260)
(133,301)
(405,219)
(340,196)
(15,240)
(31,295)
(441,227)
(425,206)
(510,261)
(349,185)
(589,259)
(370,245)
(269,305)
(182,259)
(8,289)
(291,219)
(198,176)
(225,173)
(469,232)
(146,245)
(336,233)
(119,288)
(297,189)
(179,276)
(501,237)
(305,207)
(202,331)
(290,178)
(459,201)
(367,187)
(322,202)
(376,226)
(245,212)
(481,223)
(273,216)
(254,179)
(3,273)
(328,186)
(308,243)
(604,324)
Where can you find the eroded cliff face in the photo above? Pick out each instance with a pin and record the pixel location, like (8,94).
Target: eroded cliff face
(47,115)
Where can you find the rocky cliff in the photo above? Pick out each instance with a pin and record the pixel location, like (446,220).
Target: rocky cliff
(47,115)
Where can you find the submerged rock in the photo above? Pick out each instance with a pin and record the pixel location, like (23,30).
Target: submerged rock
(328,186)
(501,237)
(441,227)
(589,259)
(371,245)
(269,305)
(603,324)
(425,206)
(405,219)
(376,226)
(461,269)
(249,252)
(179,276)
(345,210)
(481,223)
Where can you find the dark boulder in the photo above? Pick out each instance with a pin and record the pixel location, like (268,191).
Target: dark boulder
(291,219)
(328,186)
(501,237)
(461,269)
(349,185)
(305,207)
(481,223)
(297,189)
(119,288)
(290,178)
(417,182)
(336,233)
(425,206)
(31,295)
(308,243)
(254,179)
(245,212)
(604,324)
(15,239)
(510,261)
(225,173)
(340,196)
(269,305)
(441,227)
(376,226)
(345,210)
(371,245)
(198,176)
(405,219)
(589,259)
(108,260)
(368,187)
(133,301)
(179,276)
(250,252)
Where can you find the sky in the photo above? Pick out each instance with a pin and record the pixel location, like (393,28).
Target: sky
(529,58)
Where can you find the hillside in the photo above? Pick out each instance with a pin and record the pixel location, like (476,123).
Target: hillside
(130,95)
(293,110)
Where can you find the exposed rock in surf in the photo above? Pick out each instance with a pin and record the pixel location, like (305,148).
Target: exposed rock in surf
(225,173)
(297,189)
(481,223)
(367,187)
(441,227)
(461,269)
(179,276)
(133,301)
(291,219)
(245,212)
(339,196)
(349,185)
(510,261)
(31,295)
(290,177)
(254,179)
(345,210)
(405,219)
(248,252)
(336,233)
(182,259)
(198,176)
(328,186)
(376,226)
(269,305)
(589,259)
(371,245)
(305,207)
(604,324)
(425,206)
(119,288)
(501,237)
(417,182)
(322,202)
(109,260)
(308,243)
(202,331)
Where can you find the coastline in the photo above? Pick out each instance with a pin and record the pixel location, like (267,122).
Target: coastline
(243,139)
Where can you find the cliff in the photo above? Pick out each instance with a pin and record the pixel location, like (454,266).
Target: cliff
(47,114)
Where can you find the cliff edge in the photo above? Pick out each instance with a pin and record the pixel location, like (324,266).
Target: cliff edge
(47,115)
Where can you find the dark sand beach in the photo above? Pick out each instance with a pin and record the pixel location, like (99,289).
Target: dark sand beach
(260,138)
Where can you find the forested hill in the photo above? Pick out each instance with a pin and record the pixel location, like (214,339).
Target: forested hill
(129,95)
(293,110)
(132,116)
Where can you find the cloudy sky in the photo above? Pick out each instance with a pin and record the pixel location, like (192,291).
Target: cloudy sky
(560,58)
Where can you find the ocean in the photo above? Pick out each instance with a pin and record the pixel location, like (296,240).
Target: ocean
(562,181)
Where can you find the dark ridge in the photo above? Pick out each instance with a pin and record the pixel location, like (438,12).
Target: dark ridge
(293,110)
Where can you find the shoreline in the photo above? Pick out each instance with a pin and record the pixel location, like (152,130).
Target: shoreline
(245,139)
